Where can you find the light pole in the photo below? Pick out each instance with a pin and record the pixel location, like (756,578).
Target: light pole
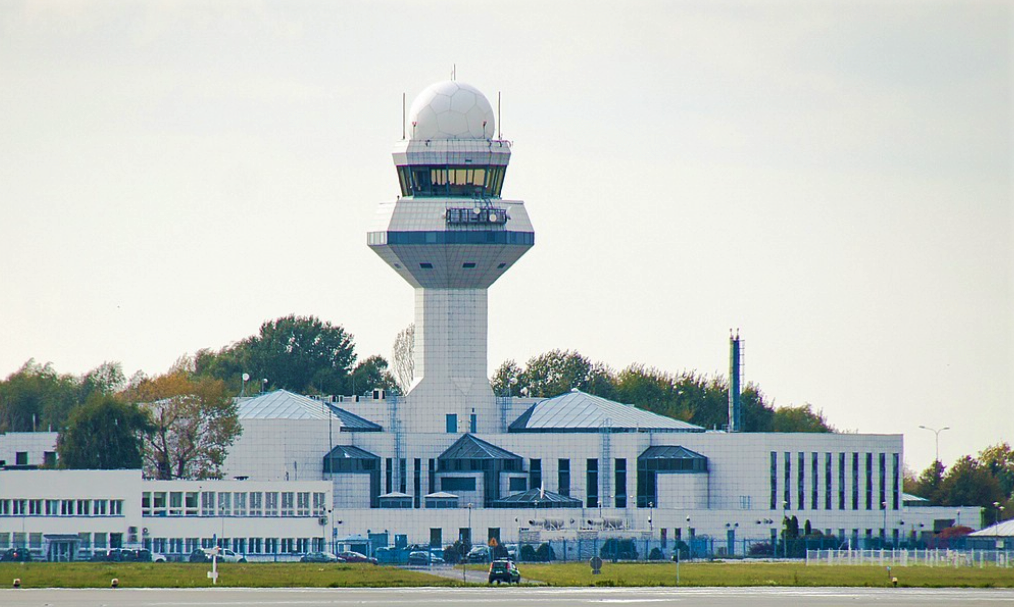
(883,506)
(936,433)
(464,557)
(651,512)
(785,529)
(996,526)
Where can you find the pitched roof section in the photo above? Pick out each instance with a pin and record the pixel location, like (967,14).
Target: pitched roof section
(350,452)
(1003,529)
(580,412)
(469,447)
(537,498)
(282,404)
(670,452)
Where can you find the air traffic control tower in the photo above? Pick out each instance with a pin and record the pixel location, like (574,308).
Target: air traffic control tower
(451,236)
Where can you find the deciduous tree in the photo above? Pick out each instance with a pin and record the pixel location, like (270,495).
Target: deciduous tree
(103,434)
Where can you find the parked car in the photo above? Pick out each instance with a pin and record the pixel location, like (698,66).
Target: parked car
(355,557)
(320,557)
(504,571)
(479,554)
(16,554)
(224,555)
(424,558)
(124,555)
(159,558)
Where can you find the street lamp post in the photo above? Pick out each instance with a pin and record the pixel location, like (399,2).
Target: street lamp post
(936,433)
(996,527)
(883,506)
(464,557)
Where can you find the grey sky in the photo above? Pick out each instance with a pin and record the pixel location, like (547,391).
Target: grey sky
(835,179)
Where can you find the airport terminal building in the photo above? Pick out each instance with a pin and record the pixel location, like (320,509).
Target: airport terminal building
(449,460)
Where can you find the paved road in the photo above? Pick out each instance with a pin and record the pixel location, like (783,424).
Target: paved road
(543,597)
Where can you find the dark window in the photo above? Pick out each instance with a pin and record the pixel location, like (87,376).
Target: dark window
(465,536)
(621,483)
(787,489)
(493,533)
(432,476)
(436,537)
(841,481)
(501,266)
(814,480)
(472,423)
(563,477)
(800,475)
(389,468)
(457,483)
(517,484)
(468,265)
(451,423)
(827,481)
(402,475)
(535,473)
(774,480)
(896,484)
(417,482)
(49,459)
(855,481)
(869,481)
(883,480)
(21,458)
(426,265)
(592,483)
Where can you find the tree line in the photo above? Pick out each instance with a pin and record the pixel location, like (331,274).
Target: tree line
(986,480)
(689,396)
(180,424)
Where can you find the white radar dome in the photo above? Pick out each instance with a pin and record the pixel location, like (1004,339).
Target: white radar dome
(451,110)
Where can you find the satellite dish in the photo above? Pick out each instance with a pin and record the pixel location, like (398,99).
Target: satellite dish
(246,377)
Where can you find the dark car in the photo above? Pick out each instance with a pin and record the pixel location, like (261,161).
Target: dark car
(199,555)
(320,557)
(356,557)
(16,554)
(123,555)
(504,571)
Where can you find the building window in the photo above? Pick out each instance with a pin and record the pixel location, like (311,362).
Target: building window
(432,476)
(403,475)
(287,503)
(800,476)
(271,503)
(787,489)
(49,459)
(255,503)
(175,503)
(774,480)
(827,481)
(563,477)
(517,484)
(21,458)
(224,503)
(389,481)
(535,473)
(883,480)
(896,484)
(472,423)
(451,423)
(417,482)
(814,480)
(426,265)
(841,481)
(208,503)
(319,503)
(239,504)
(869,481)
(855,481)
(620,478)
(303,503)
(457,483)
(592,483)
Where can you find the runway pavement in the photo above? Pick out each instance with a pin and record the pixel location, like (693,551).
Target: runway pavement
(543,597)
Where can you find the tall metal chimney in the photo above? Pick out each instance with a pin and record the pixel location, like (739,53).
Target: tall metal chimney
(735,383)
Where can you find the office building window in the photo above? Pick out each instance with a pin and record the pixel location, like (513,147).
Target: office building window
(535,473)
(563,477)
(869,481)
(472,423)
(389,481)
(814,480)
(416,482)
(620,478)
(883,480)
(896,484)
(774,480)
(800,476)
(451,423)
(787,488)
(855,481)
(592,483)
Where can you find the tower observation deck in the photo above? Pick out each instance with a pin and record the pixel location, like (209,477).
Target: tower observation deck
(450,235)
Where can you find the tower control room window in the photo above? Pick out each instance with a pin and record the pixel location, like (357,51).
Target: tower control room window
(451,180)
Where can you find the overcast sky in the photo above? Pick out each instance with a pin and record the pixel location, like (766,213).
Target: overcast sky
(832,178)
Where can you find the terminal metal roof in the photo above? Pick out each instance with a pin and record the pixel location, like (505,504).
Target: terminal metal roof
(1002,529)
(350,452)
(537,498)
(580,412)
(282,404)
(469,447)
(670,452)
